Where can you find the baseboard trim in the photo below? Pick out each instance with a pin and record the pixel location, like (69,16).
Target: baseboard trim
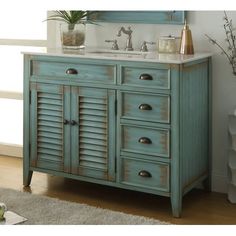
(11,150)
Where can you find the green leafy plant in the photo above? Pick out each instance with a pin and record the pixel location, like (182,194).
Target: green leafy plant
(230,52)
(71,17)
(73,30)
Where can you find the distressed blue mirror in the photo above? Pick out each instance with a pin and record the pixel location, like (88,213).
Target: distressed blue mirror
(145,17)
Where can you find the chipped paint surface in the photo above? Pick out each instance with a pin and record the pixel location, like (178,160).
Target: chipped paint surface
(160,78)
(159,175)
(159,145)
(159,107)
(102,144)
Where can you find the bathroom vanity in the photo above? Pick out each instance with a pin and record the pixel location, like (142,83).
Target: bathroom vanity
(137,121)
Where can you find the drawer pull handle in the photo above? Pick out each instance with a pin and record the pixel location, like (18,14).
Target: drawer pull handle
(145,140)
(66,122)
(145,174)
(71,71)
(145,107)
(73,122)
(145,77)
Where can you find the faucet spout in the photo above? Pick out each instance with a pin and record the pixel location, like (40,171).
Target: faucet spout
(122,29)
(129,32)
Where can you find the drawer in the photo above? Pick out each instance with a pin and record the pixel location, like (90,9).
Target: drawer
(78,72)
(152,175)
(145,77)
(147,141)
(145,107)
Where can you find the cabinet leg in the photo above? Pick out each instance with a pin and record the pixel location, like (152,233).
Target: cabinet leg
(176,205)
(27,178)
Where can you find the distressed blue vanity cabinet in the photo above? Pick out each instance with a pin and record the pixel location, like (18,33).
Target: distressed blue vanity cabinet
(139,124)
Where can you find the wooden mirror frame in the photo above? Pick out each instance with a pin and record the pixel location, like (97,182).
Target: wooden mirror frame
(144,17)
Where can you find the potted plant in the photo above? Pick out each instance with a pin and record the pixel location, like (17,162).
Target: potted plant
(72,29)
(230,39)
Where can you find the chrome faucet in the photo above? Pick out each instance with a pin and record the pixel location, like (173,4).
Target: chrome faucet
(129,33)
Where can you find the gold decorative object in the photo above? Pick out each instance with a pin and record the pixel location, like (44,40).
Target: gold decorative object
(186,43)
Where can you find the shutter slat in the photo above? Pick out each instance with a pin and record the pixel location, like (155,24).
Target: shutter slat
(49,127)
(93,132)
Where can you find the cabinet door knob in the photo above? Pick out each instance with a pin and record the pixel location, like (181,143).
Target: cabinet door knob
(145,107)
(145,140)
(71,71)
(73,122)
(66,122)
(145,77)
(145,174)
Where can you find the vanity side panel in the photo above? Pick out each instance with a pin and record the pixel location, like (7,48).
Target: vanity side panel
(27,173)
(176,168)
(194,123)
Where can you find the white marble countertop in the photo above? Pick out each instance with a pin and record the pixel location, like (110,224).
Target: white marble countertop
(122,55)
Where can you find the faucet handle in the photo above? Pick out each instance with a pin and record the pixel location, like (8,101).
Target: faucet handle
(144,46)
(114,45)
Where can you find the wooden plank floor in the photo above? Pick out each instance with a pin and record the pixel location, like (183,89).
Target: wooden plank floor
(199,207)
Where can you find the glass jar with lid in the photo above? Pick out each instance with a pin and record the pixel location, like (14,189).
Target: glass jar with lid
(168,44)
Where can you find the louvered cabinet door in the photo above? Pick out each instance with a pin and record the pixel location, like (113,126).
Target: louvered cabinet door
(48,134)
(93,132)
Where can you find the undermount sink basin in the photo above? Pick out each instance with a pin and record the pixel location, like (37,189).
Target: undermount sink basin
(117,53)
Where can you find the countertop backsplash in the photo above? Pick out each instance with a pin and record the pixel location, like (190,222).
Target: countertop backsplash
(97,34)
